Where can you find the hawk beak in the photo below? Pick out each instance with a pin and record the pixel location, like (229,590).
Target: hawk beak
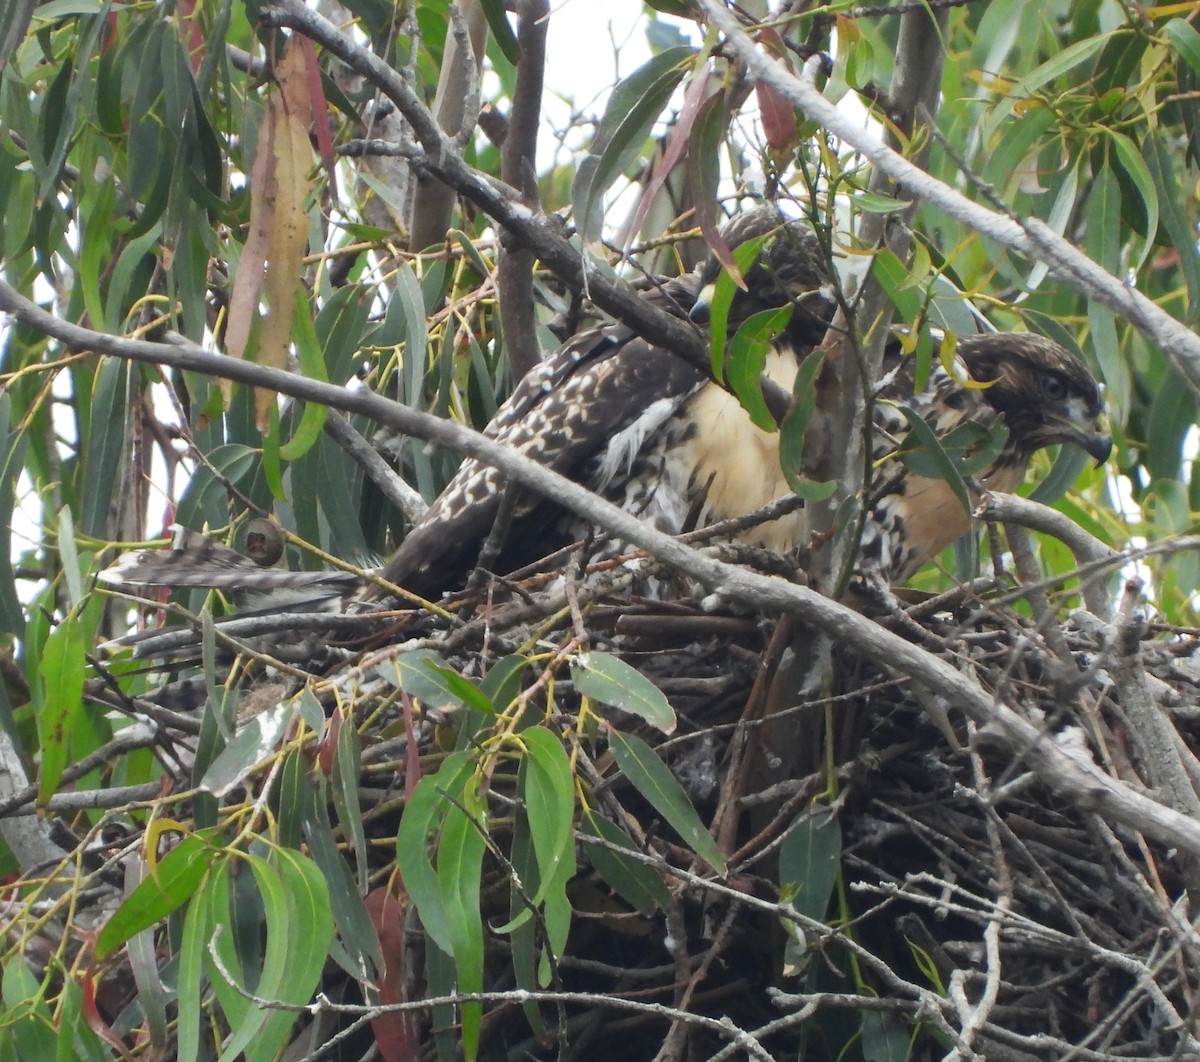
(701,310)
(1098,447)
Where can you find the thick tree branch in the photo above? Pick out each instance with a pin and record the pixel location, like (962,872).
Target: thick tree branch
(518,167)
(1071,775)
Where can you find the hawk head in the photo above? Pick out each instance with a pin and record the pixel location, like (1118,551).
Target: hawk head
(790,269)
(1046,393)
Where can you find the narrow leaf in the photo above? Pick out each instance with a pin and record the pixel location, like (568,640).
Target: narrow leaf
(180,873)
(610,680)
(747,358)
(637,882)
(633,108)
(62,672)
(651,777)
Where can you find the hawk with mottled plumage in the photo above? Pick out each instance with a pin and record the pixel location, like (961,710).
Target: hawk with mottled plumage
(652,433)
(1045,394)
(637,424)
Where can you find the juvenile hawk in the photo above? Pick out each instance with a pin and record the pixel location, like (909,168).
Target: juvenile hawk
(1045,394)
(637,424)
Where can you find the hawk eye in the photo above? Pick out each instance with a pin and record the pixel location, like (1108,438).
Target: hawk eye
(1054,387)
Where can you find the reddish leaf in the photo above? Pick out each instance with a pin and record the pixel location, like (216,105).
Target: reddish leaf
(395,1031)
(320,111)
(412,762)
(674,150)
(704,142)
(778,118)
(91,1015)
(194,33)
(327,750)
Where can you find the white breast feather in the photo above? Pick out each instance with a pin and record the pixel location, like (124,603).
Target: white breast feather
(625,446)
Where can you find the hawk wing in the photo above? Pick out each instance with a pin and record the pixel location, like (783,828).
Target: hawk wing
(606,383)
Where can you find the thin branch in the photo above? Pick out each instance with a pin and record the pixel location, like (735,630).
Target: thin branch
(500,201)
(393,487)
(1087,549)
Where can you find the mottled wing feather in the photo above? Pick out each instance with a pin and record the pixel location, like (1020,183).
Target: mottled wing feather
(563,415)
(194,560)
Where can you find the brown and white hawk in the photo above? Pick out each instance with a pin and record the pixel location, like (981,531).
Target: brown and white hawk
(651,432)
(1045,394)
(638,424)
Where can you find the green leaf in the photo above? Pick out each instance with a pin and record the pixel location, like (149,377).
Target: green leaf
(1060,63)
(260,1033)
(347,770)
(1104,238)
(179,875)
(12,459)
(130,268)
(1063,473)
(809,859)
(407,298)
(341,329)
(548,790)
(651,777)
(1131,160)
(879,204)
(633,108)
(299,931)
(427,676)
(197,925)
(795,429)
(497,19)
(747,357)
(1179,230)
(943,466)
(257,739)
(884,1039)
(104,446)
(636,881)
(357,948)
(721,299)
(521,931)
(312,365)
(460,873)
(610,680)
(63,672)
(1185,42)
(69,557)
(548,795)
(893,277)
(420,823)
(15,16)
(204,500)
(502,683)
(27,1017)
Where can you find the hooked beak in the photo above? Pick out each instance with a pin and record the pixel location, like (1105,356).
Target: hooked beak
(1099,447)
(701,311)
